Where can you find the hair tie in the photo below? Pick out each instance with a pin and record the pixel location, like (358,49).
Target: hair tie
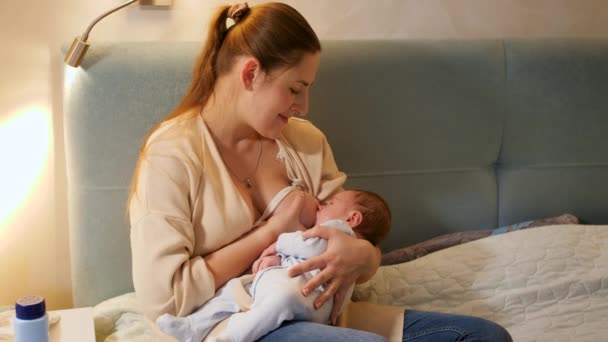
(236,12)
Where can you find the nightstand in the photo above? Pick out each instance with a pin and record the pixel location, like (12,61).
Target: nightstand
(75,325)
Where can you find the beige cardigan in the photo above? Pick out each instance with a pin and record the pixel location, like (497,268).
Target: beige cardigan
(187,206)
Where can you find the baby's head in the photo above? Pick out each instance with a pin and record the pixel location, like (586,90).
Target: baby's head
(366,212)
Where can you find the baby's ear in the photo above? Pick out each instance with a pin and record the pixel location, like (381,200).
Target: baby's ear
(355,218)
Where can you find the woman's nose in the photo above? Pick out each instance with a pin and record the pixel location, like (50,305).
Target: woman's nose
(300,107)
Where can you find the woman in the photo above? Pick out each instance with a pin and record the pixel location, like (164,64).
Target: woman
(197,189)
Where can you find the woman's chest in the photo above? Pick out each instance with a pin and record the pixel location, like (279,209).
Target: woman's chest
(226,208)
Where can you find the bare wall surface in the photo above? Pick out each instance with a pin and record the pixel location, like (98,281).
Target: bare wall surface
(34,251)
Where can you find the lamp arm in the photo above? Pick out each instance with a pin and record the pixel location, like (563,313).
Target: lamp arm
(85,35)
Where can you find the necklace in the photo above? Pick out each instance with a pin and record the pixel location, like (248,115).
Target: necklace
(247,181)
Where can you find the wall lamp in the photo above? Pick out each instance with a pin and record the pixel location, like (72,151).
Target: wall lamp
(80,45)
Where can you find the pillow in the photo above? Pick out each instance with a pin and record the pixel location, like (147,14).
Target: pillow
(423,248)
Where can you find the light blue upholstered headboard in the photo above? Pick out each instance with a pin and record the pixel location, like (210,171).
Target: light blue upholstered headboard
(456,135)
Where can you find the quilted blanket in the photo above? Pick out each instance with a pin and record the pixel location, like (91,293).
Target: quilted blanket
(544,284)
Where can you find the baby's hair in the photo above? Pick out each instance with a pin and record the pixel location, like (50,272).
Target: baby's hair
(376,222)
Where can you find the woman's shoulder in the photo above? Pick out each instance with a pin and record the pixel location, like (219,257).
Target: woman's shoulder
(180,138)
(300,131)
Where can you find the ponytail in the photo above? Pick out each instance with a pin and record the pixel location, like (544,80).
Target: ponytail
(205,72)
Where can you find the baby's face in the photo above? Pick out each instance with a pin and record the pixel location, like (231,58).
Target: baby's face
(337,207)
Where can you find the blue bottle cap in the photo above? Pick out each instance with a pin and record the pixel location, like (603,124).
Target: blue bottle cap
(30,307)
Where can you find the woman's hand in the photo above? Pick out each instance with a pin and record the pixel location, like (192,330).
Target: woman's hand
(347,260)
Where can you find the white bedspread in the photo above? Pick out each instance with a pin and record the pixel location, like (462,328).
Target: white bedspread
(542,284)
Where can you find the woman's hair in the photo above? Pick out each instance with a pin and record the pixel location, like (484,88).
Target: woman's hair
(376,222)
(275,34)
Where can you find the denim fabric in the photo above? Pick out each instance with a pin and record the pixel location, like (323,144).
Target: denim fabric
(307,331)
(420,326)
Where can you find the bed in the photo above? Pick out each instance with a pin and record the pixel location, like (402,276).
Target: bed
(458,136)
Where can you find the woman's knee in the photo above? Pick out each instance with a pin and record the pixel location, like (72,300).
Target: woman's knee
(470,328)
(493,331)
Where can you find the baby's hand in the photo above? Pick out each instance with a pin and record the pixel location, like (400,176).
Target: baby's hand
(265,262)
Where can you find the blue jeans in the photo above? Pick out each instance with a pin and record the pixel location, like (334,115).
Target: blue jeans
(420,326)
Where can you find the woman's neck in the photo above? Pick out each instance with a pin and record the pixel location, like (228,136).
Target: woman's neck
(224,120)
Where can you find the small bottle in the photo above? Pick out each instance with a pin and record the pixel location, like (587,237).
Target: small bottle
(31,322)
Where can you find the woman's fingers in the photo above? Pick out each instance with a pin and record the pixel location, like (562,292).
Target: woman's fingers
(339,299)
(318,231)
(323,278)
(314,263)
(330,290)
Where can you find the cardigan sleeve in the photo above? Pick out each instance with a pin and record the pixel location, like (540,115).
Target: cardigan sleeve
(332,179)
(310,159)
(167,276)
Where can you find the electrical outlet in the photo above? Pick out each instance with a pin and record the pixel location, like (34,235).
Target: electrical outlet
(160,3)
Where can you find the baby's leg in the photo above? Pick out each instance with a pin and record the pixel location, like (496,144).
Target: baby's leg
(276,298)
(198,324)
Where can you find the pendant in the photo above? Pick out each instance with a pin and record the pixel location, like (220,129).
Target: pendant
(248,183)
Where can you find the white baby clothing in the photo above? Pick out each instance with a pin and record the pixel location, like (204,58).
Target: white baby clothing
(276,297)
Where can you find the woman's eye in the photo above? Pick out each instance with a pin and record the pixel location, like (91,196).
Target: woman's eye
(293,91)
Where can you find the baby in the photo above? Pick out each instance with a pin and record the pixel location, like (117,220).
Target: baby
(276,296)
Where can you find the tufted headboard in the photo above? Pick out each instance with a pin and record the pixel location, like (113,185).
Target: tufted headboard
(456,135)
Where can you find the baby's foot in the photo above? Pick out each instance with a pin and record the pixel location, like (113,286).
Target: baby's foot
(178,327)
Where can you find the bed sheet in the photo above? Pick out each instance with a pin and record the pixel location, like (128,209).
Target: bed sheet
(543,284)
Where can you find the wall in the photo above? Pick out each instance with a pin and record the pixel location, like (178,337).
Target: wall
(34,251)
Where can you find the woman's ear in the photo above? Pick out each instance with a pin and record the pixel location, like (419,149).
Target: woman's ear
(251,72)
(354,218)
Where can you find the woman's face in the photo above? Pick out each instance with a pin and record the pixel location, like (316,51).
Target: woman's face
(280,95)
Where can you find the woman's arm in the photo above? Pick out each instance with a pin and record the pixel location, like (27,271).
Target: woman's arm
(234,259)
(167,275)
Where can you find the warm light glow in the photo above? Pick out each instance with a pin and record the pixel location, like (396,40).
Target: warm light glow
(69,74)
(25,137)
